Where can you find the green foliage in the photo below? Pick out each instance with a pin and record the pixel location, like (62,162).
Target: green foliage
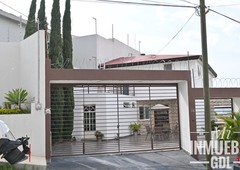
(16,97)
(57,105)
(31,23)
(99,134)
(231,128)
(7,166)
(68,112)
(14,111)
(67,60)
(55,44)
(135,127)
(42,16)
(67,37)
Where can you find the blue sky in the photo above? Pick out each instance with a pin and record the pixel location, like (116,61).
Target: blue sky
(156,26)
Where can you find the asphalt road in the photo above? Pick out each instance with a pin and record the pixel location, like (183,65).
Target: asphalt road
(160,160)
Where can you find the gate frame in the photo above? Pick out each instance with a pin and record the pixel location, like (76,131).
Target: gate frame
(139,77)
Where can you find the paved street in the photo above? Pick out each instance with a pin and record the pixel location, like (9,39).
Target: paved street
(162,160)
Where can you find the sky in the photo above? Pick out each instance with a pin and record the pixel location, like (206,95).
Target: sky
(154,27)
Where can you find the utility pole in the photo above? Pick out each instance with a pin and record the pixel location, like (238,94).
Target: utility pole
(205,80)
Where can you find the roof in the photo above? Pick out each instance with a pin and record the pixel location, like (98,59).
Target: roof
(12,17)
(151,59)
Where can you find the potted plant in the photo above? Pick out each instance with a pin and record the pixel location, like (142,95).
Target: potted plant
(99,135)
(231,131)
(135,127)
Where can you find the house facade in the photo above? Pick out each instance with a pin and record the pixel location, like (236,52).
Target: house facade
(12,27)
(89,51)
(193,63)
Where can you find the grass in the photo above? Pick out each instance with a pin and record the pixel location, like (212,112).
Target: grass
(7,166)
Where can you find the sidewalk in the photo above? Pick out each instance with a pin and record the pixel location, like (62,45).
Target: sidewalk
(160,160)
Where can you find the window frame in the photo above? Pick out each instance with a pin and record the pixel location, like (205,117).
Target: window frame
(89,117)
(146,112)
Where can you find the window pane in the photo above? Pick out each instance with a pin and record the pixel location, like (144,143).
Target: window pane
(141,112)
(147,113)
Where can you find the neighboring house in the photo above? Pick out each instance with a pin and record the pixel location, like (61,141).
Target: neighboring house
(12,27)
(164,62)
(89,51)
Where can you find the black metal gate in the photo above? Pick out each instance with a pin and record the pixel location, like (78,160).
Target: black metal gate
(90,119)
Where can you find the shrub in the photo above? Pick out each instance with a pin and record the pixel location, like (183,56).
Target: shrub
(14,111)
(16,97)
(135,127)
(99,134)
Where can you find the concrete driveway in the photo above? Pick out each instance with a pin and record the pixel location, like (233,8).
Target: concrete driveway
(162,160)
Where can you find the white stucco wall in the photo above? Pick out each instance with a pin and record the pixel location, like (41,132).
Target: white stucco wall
(195,66)
(184,116)
(19,67)
(12,28)
(9,68)
(236,104)
(89,51)
(106,113)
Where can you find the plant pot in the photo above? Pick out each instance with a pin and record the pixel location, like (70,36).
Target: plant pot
(135,133)
(99,138)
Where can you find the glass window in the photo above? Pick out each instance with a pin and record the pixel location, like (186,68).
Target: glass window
(89,118)
(167,66)
(144,112)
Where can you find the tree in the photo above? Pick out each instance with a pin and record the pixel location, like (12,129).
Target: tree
(55,54)
(67,37)
(31,23)
(67,60)
(55,44)
(42,17)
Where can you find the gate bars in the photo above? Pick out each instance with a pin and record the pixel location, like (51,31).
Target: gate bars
(91,119)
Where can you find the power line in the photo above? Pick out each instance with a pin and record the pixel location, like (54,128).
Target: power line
(13,9)
(176,33)
(138,3)
(225,5)
(158,2)
(188,2)
(225,16)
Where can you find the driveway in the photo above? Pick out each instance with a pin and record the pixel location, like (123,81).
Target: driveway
(162,160)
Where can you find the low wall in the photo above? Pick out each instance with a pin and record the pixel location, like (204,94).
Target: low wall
(32,125)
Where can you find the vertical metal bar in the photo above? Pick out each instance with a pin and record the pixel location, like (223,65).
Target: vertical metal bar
(118,121)
(179,127)
(149,94)
(83,121)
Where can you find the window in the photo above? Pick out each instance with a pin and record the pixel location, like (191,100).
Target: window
(144,112)
(167,66)
(161,118)
(89,118)
(126,90)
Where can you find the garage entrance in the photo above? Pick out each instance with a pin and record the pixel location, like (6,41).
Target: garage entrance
(112,118)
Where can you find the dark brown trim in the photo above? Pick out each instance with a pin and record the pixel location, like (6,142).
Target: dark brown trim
(116,75)
(217,92)
(48,117)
